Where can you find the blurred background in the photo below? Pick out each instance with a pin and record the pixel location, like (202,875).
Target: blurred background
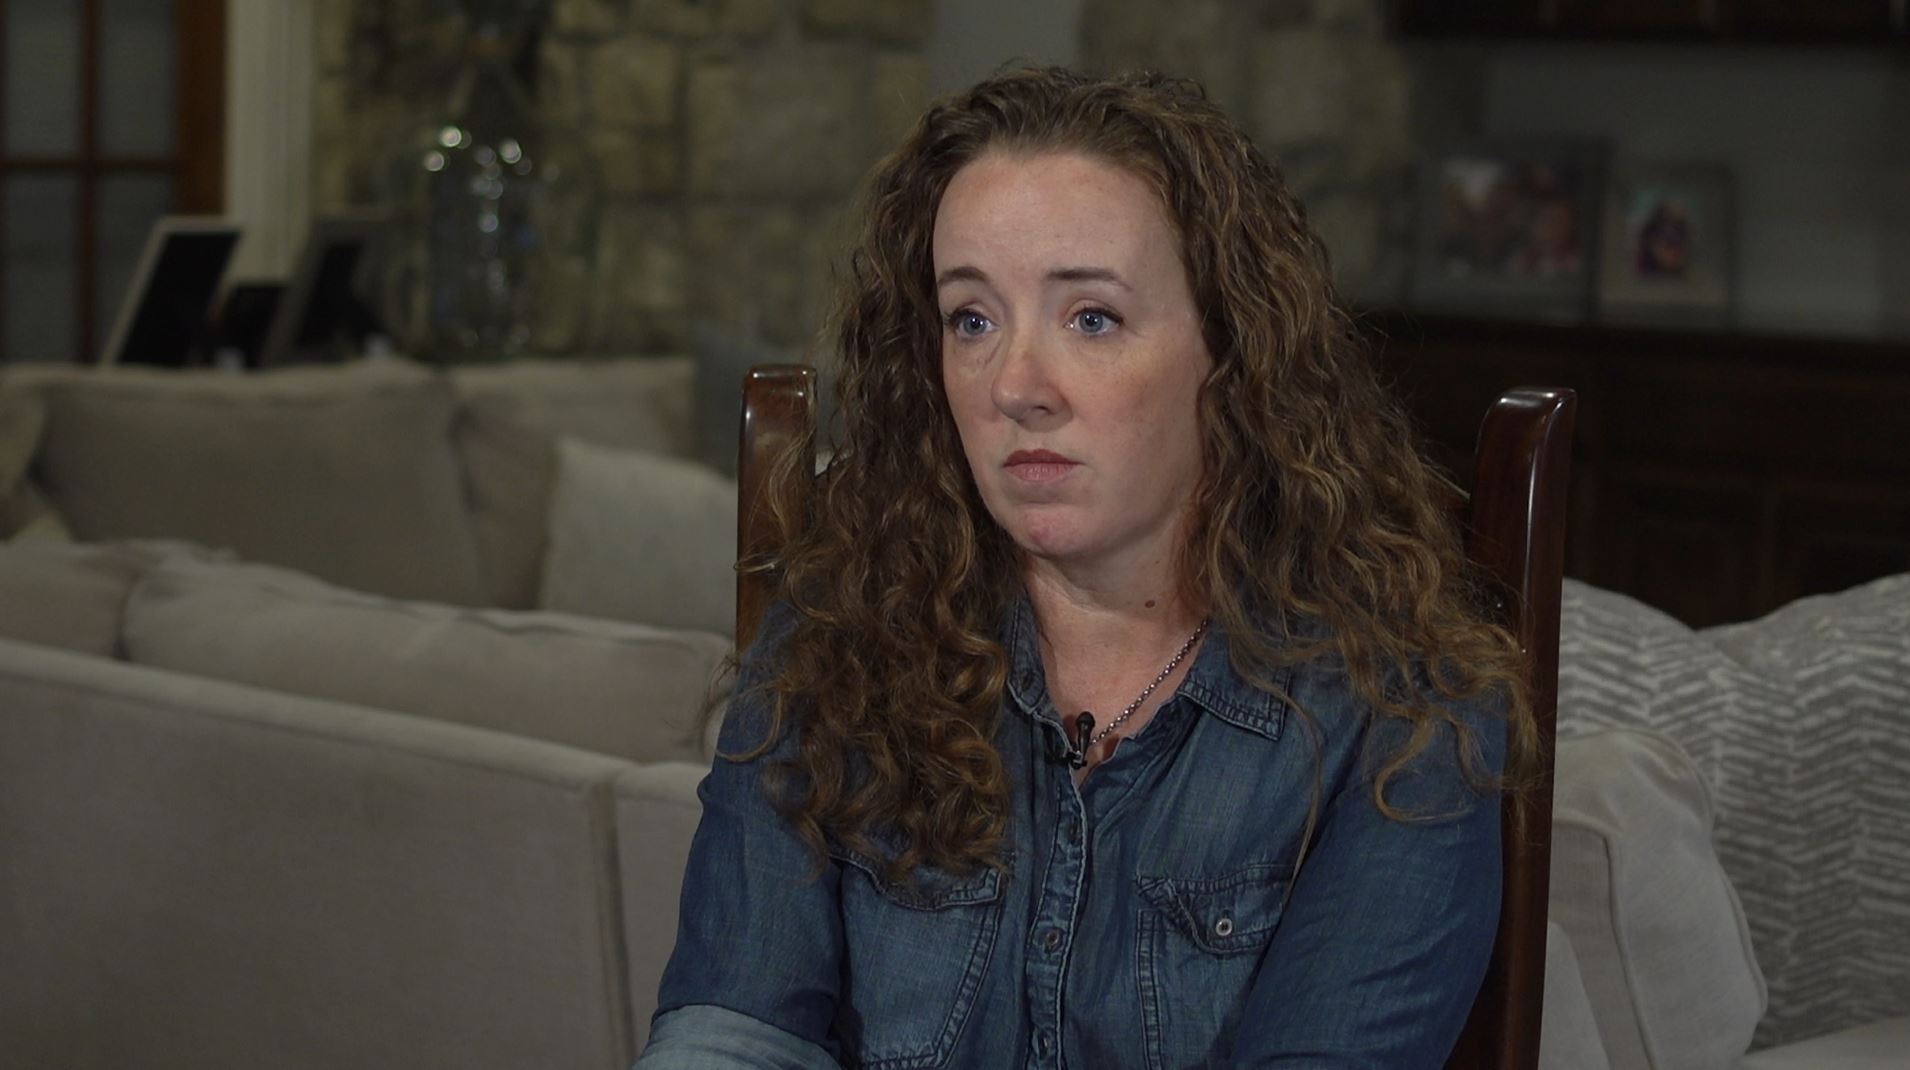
(1693,212)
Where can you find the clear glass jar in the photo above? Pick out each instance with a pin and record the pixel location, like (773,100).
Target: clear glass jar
(490,201)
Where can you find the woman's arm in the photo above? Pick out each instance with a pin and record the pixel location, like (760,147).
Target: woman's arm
(754,978)
(1384,941)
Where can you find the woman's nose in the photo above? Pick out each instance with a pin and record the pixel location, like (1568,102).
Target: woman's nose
(1024,387)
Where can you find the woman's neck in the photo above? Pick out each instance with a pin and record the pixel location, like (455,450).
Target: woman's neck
(1085,626)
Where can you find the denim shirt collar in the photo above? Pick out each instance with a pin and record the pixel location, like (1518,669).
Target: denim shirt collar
(1211,683)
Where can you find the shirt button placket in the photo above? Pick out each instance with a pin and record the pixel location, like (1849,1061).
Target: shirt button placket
(1049,937)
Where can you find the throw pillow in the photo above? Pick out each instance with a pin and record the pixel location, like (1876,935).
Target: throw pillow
(1843,661)
(1661,941)
(624,690)
(510,418)
(346,472)
(641,537)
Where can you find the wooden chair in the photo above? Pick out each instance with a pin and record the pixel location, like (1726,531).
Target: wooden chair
(1514,521)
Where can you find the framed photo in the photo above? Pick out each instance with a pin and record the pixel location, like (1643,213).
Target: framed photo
(1669,240)
(1510,225)
(319,314)
(164,318)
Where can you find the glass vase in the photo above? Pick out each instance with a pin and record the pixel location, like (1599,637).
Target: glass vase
(490,203)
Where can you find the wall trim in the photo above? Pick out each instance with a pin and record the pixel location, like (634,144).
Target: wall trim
(270,68)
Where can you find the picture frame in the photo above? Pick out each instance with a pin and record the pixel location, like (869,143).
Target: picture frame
(1510,225)
(1669,247)
(164,318)
(320,315)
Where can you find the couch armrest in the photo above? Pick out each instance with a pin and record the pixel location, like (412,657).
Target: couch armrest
(203,874)
(1657,929)
(1568,1038)
(657,815)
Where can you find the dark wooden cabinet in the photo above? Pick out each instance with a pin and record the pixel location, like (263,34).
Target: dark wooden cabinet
(1793,21)
(1488,17)
(1644,17)
(1862,19)
(1716,476)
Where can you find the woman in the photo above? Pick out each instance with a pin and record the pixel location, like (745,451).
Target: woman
(1107,445)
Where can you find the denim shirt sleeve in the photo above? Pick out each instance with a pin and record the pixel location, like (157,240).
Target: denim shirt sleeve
(705,1037)
(759,935)
(1384,942)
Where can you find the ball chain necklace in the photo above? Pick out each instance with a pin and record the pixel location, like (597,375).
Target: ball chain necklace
(1085,737)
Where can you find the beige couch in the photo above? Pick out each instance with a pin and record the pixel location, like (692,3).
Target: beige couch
(401,818)
(252,817)
(203,872)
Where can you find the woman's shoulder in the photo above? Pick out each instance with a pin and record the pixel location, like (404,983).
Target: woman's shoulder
(1348,721)
(749,718)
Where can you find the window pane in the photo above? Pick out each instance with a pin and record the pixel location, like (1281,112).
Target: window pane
(42,69)
(38,262)
(136,74)
(128,205)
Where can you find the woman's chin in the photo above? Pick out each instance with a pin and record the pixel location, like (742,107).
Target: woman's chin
(1052,541)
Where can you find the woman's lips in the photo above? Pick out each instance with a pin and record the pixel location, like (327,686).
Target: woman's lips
(1038,466)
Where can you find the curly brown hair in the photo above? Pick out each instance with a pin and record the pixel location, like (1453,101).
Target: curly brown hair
(1315,504)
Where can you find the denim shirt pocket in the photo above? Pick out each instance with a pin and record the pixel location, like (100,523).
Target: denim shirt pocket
(917,952)
(1201,943)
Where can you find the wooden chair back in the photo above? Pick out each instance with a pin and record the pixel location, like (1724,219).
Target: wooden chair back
(1514,521)
(1515,531)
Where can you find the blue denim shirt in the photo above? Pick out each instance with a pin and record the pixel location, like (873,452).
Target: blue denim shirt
(1150,917)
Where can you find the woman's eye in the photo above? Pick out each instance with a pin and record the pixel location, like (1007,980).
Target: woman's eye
(967,323)
(1095,321)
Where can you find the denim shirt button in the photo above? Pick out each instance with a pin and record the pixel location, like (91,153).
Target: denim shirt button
(1043,1045)
(1052,941)
(1074,832)
(1224,927)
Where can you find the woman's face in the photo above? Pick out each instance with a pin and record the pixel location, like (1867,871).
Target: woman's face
(1072,355)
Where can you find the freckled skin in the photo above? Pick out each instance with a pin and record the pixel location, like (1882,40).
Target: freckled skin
(1070,326)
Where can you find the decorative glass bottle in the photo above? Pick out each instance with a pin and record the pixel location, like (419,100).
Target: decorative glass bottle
(489,200)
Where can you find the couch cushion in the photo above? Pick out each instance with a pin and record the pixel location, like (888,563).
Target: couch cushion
(32,517)
(1876,1046)
(346,472)
(619,689)
(71,595)
(513,414)
(25,511)
(199,874)
(1660,938)
(641,537)
(21,417)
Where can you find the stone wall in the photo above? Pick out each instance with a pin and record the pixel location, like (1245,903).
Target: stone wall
(1340,108)
(729,137)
